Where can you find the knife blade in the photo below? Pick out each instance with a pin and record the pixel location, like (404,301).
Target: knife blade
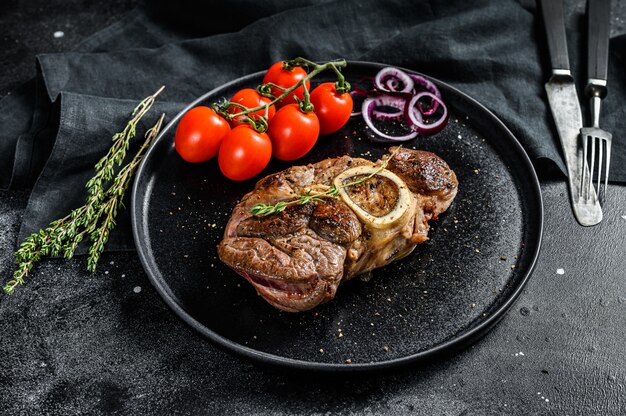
(566,112)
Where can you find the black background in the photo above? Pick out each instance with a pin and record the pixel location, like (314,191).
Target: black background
(74,342)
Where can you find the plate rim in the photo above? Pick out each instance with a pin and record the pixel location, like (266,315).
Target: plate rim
(459,341)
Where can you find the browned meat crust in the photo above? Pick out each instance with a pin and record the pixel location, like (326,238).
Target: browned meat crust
(297,259)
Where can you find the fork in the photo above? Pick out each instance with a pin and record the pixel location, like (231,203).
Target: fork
(594,137)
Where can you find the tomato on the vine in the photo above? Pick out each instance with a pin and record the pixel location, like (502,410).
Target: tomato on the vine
(286,78)
(199,134)
(293,132)
(332,109)
(250,98)
(244,153)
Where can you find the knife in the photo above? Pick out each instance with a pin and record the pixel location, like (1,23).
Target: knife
(566,112)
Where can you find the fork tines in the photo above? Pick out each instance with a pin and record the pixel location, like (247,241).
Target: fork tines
(598,161)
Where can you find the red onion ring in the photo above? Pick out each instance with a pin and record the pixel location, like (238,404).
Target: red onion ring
(431,87)
(384,100)
(384,76)
(405,92)
(377,114)
(413,113)
(392,84)
(387,116)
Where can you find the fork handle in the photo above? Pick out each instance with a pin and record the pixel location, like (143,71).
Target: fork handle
(595,104)
(552,11)
(598,21)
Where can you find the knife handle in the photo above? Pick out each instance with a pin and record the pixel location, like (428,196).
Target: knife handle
(598,20)
(554,23)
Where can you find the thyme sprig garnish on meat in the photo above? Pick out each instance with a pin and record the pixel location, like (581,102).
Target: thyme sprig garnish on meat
(262,210)
(96,218)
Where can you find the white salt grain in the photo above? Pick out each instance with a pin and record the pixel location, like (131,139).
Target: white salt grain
(137,289)
(560,271)
(58,34)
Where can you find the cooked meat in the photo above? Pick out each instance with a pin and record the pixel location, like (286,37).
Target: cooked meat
(297,258)
(335,222)
(426,173)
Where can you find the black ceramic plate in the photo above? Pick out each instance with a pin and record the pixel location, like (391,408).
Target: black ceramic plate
(450,291)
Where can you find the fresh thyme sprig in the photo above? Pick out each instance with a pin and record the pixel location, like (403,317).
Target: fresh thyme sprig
(64,235)
(116,154)
(262,210)
(114,198)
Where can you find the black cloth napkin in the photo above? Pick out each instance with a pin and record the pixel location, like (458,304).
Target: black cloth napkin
(55,127)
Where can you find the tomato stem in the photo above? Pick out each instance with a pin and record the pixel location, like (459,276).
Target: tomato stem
(271,85)
(265,89)
(341,86)
(306,106)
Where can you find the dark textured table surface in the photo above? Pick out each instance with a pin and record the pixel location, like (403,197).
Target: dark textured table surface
(119,349)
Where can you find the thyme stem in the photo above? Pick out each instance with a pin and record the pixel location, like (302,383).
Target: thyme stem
(99,236)
(63,236)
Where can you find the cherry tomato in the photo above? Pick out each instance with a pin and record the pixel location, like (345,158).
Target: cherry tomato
(332,109)
(244,153)
(199,134)
(293,132)
(250,98)
(286,78)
